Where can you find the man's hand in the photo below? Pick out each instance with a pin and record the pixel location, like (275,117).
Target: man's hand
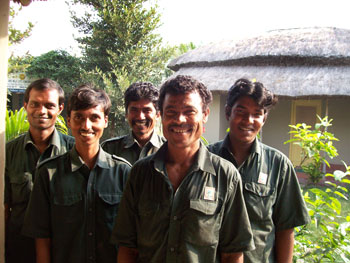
(127,255)
(43,250)
(232,257)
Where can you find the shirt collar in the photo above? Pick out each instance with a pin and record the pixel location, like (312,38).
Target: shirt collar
(255,147)
(77,161)
(202,162)
(130,140)
(54,140)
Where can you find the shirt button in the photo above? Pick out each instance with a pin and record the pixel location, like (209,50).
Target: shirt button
(175,218)
(90,209)
(172,249)
(90,234)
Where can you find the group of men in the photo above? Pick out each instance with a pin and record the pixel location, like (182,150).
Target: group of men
(143,198)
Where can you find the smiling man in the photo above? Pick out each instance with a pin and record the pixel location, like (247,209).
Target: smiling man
(141,111)
(43,102)
(270,186)
(76,195)
(183,204)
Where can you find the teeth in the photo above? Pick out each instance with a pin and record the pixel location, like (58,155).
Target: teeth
(179,131)
(86,134)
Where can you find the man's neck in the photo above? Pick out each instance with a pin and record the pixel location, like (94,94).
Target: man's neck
(178,162)
(88,154)
(142,140)
(41,138)
(240,150)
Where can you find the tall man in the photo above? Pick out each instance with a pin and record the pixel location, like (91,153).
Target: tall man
(271,189)
(183,204)
(76,195)
(43,102)
(141,111)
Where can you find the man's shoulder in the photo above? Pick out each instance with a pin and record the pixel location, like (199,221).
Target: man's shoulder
(66,140)
(272,152)
(16,141)
(215,147)
(114,140)
(120,160)
(54,160)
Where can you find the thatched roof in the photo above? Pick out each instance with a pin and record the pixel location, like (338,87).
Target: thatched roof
(291,62)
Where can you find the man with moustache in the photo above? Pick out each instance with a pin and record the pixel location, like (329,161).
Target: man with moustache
(76,195)
(141,111)
(271,190)
(183,204)
(43,102)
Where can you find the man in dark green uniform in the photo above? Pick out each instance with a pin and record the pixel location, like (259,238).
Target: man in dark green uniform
(183,204)
(141,111)
(271,190)
(43,102)
(76,195)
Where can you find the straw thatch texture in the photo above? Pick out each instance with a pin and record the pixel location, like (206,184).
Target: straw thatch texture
(294,62)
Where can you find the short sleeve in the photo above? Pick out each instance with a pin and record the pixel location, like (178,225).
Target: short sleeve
(290,209)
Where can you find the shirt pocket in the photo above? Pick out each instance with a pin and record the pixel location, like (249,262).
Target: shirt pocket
(202,222)
(68,208)
(259,201)
(21,187)
(107,207)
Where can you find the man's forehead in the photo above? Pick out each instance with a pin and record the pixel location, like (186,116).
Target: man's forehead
(143,103)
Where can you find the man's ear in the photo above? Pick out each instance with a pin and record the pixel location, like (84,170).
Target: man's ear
(61,107)
(68,121)
(25,104)
(106,121)
(227,112)
(206,115)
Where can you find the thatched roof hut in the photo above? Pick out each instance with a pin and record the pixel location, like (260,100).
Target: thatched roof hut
(301,62)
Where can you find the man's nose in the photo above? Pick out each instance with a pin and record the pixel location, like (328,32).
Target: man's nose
(42,109)
(87,124)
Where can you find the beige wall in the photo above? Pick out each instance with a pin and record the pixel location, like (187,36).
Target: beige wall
(4,16)
(339,111)
(275,130)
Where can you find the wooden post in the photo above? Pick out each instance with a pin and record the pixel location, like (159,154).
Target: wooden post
(4,19)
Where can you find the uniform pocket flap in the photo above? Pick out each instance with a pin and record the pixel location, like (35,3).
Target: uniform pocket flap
(259,189)
(206,207)
(68,199)
(111,199)
(23,178)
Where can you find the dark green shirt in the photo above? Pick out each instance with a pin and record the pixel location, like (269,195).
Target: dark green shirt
(22,158)
(205,217)
(127,147)
(272,195)
(76,206)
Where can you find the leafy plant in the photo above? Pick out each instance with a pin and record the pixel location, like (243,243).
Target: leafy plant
(314,145)
(327,238)
(16,123)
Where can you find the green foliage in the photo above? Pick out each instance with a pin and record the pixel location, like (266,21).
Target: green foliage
(327,238)
(314,145)
(58,65)
(119,47)
(16,124)
(16,36)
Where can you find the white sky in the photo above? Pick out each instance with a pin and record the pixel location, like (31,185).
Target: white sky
(183,21)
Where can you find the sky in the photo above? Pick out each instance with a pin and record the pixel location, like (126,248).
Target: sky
(184,21)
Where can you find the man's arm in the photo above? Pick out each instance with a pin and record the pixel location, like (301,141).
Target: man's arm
(127,255)
(232,257)
(284,245)
(43,250)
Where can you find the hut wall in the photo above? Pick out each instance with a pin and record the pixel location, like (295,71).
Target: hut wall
(338,110)
(275,130)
